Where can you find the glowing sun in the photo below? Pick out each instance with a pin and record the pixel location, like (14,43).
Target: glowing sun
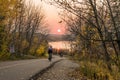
(58,30)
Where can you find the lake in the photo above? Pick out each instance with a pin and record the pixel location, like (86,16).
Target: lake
(60,44)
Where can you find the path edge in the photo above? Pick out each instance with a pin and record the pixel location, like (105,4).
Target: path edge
(37,75)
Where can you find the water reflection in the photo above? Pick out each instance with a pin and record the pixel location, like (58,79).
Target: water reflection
(60,44)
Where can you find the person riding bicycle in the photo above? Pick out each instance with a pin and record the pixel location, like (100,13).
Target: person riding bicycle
(50,51)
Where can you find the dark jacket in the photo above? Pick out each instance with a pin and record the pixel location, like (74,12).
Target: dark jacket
(50,51)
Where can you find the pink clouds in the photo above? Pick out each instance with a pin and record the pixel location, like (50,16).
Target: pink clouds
(54,26)
(53,19)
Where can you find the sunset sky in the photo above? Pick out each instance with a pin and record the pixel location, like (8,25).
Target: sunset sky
(52,18)
(55,24)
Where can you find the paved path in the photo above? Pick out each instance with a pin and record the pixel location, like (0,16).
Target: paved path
(23,69)
(60,71)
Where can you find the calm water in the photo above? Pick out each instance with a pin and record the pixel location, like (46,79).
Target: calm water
(60,44)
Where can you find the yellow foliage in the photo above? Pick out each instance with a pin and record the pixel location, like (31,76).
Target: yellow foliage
(89,68)
(41,51)
(31,51)
(24,44)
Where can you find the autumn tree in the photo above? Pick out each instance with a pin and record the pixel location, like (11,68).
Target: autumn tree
(94,22)
(5,12)
(20,23)
(28,22)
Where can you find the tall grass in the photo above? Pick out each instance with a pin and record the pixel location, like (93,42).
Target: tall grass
(96,69)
